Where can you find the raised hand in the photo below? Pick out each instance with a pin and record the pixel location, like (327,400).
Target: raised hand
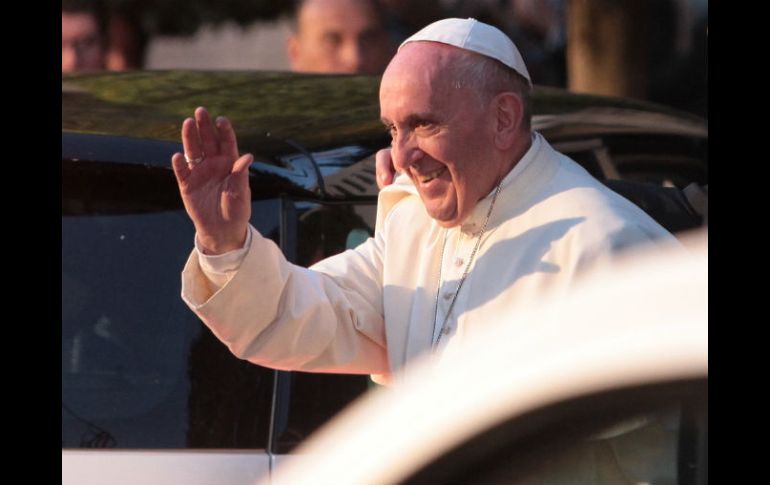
(214,182)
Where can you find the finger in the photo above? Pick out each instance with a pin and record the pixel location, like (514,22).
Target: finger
(190,139)
(383,165)
(228,144)
(238,182)
(181,168)
(208,136)
(242,164)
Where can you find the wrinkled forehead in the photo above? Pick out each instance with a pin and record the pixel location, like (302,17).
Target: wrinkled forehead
(423,76)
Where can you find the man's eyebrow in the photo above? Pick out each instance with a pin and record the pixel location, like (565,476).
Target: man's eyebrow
(416,117)
(411,119)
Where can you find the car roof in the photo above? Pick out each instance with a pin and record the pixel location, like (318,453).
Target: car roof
(315,111)
(612,338)
(312,135)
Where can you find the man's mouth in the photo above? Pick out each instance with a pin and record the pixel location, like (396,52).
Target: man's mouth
(427,177)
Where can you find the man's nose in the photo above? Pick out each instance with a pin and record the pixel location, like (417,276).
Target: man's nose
(352,57)
(405,152)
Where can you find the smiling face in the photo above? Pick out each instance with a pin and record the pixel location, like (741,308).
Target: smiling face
(443,131)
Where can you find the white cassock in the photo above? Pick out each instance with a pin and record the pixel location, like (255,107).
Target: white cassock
(374,308)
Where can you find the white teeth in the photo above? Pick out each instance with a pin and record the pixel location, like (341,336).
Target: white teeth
(431,175)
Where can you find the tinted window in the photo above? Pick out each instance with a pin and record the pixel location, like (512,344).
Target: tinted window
(664,160)
(139,370)
(312,400)
(324,230)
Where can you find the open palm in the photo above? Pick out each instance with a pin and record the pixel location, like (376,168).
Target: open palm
(214,182)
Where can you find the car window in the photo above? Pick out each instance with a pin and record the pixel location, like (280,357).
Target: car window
(326,230)
(669,161)
(311,400)
(139,370)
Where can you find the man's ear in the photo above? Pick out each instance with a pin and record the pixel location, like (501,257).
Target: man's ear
(509,113)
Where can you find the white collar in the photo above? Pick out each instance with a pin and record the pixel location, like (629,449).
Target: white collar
(475,219)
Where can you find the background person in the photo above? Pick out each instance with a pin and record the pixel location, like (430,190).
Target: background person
(83,34)
(97,38)
(338,36)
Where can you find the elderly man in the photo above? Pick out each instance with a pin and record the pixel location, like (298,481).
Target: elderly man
(338,36)
(486,215)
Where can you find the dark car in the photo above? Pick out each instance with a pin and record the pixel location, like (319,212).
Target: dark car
(141,375)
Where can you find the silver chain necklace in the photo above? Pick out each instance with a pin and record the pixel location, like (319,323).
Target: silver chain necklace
(444,328)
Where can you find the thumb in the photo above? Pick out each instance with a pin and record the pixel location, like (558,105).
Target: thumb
(384,168)
(240,172)
(242,164)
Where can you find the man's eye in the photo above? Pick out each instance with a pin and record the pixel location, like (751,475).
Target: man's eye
(425,126)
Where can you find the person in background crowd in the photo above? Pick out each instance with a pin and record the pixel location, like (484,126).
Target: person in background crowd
(338,36)
(83,35)
(96,38)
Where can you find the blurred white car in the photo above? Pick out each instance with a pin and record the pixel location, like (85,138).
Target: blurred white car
(605,385)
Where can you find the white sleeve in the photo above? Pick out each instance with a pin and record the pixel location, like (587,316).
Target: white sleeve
(274,313)
(221,267)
